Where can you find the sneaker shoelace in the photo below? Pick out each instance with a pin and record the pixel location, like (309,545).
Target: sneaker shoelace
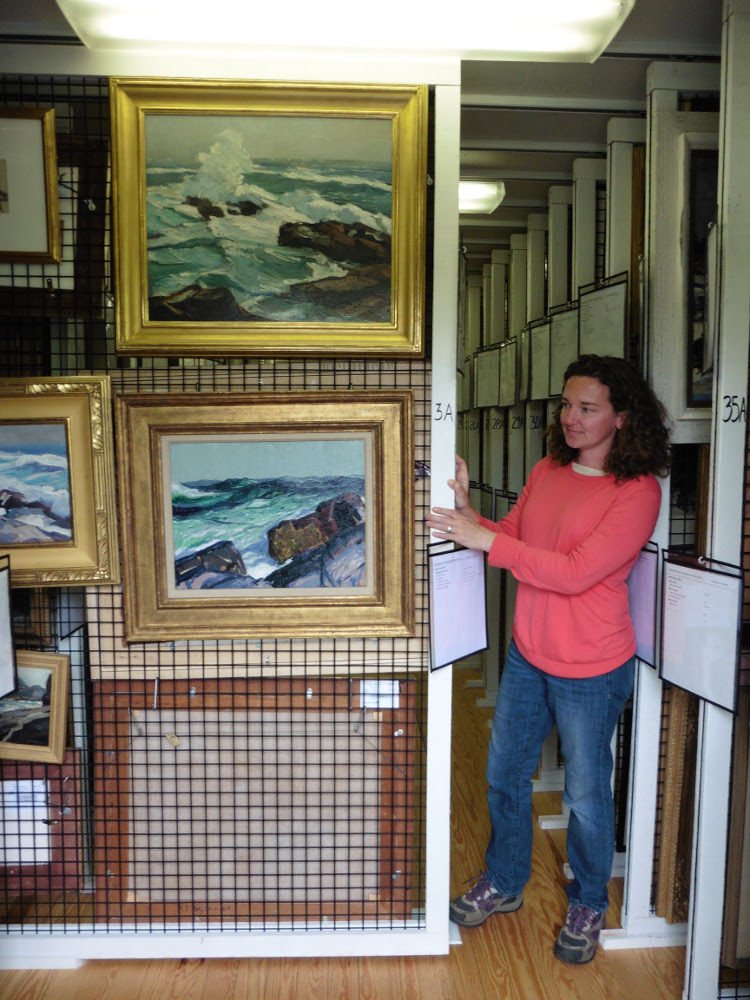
(480,891)
(579,918)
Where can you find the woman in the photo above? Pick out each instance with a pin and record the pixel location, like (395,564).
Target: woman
(570,541)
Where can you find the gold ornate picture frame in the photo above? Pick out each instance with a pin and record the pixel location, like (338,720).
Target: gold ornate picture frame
(269,218)
(268,515)
(33,719)
(59,525)
(29,212)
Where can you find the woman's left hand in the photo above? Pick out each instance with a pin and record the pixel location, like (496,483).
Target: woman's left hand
(454,526)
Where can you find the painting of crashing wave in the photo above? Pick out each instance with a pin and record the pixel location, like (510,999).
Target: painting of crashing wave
(34,484)
(243,226)
(268,514)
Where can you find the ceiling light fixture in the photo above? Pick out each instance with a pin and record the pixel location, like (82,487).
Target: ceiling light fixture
(577,30)
(480,196)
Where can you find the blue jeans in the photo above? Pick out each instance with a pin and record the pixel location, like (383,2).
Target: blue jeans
(529,704)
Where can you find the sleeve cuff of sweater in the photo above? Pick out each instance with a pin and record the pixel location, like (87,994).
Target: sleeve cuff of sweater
(505,551)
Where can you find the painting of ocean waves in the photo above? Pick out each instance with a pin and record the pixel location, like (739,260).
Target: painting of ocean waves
(34,484)
(245,510)
(231,206)
(298,519)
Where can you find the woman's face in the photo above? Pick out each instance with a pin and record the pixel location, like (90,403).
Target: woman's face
(588,420)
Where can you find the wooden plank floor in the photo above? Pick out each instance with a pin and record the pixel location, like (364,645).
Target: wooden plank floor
(509,958)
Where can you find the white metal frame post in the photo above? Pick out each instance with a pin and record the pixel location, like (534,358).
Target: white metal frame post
(586,173)
(560,200)
(517,285)
(622,135)
(537,225)
(726,495)
(499,264)
(486,304)
(443,447)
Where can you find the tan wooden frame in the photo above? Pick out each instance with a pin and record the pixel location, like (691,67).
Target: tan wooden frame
(54,750)
(115,704)
(132,99)
(152,614)
(83,403)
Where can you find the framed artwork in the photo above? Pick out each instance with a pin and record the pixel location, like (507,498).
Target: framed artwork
(33,718)
(270,515)
(268,218)
(56,467)
(74,285)
(7,648)
(325,750)
(29,214)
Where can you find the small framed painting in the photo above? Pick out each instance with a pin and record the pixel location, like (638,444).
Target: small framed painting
(33,718)
(29,212)
(57,509)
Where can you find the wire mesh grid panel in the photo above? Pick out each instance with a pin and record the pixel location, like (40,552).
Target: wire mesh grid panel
(255,801)
(227,783)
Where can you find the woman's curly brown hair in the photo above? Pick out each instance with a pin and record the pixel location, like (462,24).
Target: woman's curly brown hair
(642,445)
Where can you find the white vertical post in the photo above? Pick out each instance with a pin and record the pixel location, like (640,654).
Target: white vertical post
(474,292)
(586,173)
(560,199)
(726,495)
(536,252)
(486,304)
(445,315)
(499,266)
(517,285)
(622,135)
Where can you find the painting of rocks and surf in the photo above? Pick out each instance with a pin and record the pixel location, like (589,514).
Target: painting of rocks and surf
(268,513)
(268,219)
(35,477)
(25,714)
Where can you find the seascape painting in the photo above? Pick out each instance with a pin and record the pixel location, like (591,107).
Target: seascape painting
(25,713)
(264,218)
(267,512)
(35,497)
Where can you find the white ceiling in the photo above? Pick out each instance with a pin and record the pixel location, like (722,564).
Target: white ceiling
(522,123)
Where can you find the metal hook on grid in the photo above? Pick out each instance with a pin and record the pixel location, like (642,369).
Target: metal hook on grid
(156,696)
(65,185)
(356,727)
(65,797)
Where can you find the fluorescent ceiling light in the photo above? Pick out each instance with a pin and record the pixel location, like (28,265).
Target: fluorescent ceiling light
(573,30)
(480,196)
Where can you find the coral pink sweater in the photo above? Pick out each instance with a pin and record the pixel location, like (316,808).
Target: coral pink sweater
(570,541)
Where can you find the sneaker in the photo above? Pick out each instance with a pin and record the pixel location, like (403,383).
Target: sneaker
(480,902)
(576,943)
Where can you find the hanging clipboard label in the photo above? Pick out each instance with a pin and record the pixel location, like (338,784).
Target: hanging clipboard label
(642,599)
(458,606)
(701,612)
